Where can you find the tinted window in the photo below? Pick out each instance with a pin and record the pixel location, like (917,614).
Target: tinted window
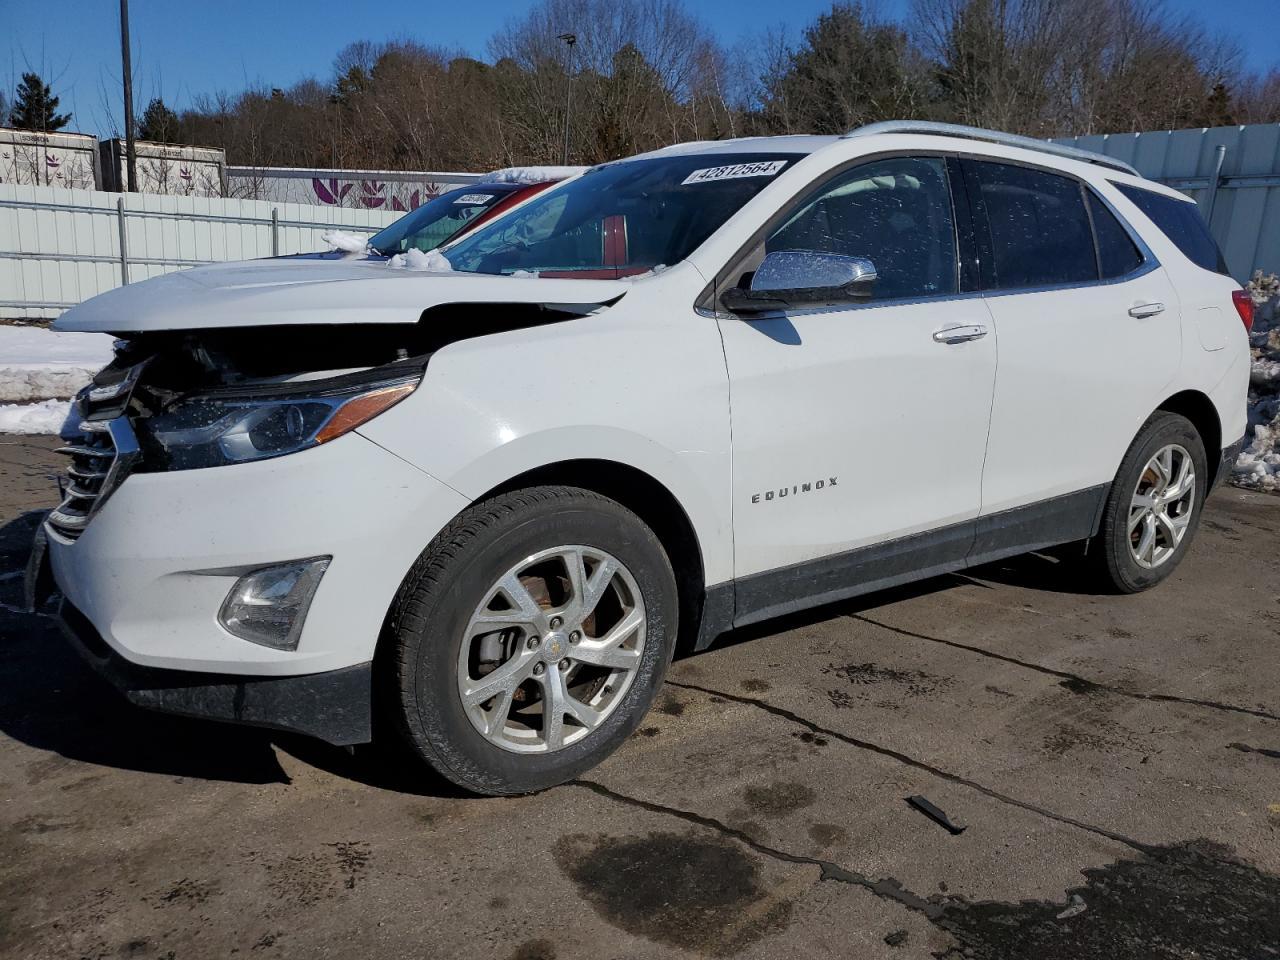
(1117,253)
(1040,232)
(895,213)
(622,218)
(1180,221)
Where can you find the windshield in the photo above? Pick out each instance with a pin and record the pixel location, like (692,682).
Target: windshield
(620,219)
(437,220)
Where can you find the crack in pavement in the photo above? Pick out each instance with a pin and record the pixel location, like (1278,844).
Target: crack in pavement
(911,761)
(885,888)
(1082,684)
(1245,748)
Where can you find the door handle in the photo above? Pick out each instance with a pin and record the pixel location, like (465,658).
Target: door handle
(960,333)
(1141,310)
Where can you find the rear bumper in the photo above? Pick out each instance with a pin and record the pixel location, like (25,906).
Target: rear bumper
(1228,459)
(334,706)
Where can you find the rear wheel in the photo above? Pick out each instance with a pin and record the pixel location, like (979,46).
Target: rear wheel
(531,638)
(1153,509)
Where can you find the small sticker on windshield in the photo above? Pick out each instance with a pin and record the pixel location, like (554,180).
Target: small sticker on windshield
(474,198)
(734,171)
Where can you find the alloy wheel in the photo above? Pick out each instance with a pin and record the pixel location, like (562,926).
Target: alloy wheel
(552,649)
(1162,504)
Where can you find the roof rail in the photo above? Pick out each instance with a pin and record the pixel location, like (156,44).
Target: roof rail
(990,136)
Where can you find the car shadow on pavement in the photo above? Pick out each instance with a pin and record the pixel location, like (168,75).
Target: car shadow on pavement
(1059,570)
(51,700)
(1055,571)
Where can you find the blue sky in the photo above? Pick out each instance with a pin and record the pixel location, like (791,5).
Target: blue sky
(181,51)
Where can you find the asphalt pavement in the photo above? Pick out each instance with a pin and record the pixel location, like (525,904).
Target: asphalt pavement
(1110,767)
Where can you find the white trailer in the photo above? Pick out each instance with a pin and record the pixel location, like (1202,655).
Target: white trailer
(31,158)
(391,190)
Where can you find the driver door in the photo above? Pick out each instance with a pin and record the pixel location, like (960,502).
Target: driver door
(859,430)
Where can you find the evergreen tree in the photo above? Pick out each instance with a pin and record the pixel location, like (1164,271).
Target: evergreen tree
(159,123)
(35,107)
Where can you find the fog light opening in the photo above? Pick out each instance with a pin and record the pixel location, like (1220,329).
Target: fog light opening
(269,605)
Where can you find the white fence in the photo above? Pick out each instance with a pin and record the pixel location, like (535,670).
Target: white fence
(1232,172)
(59,247)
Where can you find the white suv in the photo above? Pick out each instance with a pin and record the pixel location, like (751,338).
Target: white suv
(485,501)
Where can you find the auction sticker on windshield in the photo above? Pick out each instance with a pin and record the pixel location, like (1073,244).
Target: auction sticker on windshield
(474,198)
(763,168)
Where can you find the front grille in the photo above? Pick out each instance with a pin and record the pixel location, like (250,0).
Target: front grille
(101,455)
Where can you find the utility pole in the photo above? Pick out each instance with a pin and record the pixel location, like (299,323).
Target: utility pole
(570,39)
(131,154)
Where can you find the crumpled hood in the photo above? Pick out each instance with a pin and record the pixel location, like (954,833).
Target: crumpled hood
(258,293)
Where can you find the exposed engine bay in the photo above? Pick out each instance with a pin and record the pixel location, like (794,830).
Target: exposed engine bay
(198,398)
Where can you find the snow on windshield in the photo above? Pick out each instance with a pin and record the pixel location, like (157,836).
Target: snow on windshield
(347,242)
(532,174)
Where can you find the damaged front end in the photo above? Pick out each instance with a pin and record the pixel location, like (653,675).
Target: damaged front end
(182,400)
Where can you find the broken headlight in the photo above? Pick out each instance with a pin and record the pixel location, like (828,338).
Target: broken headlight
(214,430)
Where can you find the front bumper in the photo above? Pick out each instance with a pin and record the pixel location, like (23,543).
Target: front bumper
(335,706)
(151,570)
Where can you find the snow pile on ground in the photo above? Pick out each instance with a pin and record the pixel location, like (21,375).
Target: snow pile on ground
(347,242)
(1258,466)
(531,174)
(433,261)
(44,417)
(37,364)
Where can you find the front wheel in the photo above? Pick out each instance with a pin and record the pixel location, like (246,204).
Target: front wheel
(1153,510)
(531,638)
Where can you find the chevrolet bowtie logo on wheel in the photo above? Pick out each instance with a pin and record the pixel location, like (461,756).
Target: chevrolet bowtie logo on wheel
(794,490)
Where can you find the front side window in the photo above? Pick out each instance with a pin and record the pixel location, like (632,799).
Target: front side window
(1039,228)
(620,219)
(1180,221)
(894,212)
(437,220)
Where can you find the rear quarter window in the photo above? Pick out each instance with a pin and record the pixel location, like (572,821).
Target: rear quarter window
(1117,253)
(1180,221)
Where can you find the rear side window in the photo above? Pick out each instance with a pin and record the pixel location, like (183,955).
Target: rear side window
(1117,253)
(1180,221)
(1040,233)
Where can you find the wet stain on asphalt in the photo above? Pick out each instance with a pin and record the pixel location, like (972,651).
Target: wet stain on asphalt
(684,890)
(778,799)
(37,825)
(864,676)
(1081,686)
(535,950)
(1067,737)
(804,736)
(755,686)
(1187,900)
(191,892)
(828,834)
(671,707)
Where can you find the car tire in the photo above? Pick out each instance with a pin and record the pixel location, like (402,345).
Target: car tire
(452,638)
(1149,520)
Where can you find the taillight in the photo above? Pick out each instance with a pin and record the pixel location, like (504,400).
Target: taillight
(1244,307)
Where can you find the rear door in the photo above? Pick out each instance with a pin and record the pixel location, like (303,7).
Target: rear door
(1090,337)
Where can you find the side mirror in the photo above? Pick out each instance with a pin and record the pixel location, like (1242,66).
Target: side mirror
(789,278)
